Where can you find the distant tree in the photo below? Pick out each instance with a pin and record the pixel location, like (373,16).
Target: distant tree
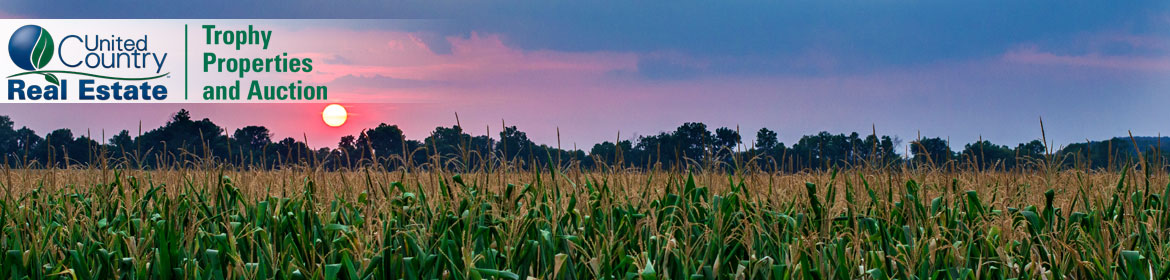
(347,142)
(766,140)
(326,157)
(8,140)
(56,149)
(656,149)
(985,155)
(513,143)
(1033,150)
(250,143)
(877,149)
(825,149)
(448,143)
(27,140)
(726,138)
(252,138)
(83,150)
(482,144)
(578,156)
(347,151)
(122,142)
(607,152)
(1109,154)
(385,141)
(479,149)
(934,149)
(291,151)
(183,139)
(692,140)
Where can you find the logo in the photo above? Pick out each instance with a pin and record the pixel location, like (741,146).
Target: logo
(31,48)
(98,61)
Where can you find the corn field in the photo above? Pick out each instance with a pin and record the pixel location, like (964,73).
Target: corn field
(559,223)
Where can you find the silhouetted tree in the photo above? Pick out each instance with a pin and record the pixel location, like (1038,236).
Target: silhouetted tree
(122,145)
(183,139)
(252,137)
(27,141)
(60,149)
(451,143)
(607,152)
(384,142)
(692,140)
(766,140)
(513,143)
(122,140)
(250,142)
(985,155)
(1030,151)
(726,138)
(931,150)
(8,141)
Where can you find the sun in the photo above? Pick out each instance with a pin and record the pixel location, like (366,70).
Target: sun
(334,115)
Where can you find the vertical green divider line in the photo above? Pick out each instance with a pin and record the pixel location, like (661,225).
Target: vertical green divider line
(185,59)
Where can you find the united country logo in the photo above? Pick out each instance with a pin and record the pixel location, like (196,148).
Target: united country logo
(31,48)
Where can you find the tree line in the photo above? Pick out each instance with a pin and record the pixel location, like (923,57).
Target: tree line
(184,141)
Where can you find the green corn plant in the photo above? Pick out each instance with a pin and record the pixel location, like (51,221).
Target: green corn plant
(555,223)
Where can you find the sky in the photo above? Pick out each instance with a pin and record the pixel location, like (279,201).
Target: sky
(1091,69)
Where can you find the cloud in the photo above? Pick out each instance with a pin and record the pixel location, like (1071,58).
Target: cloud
(670,66)
(337,59)
(383,82)
(474,59)
(1117,50)
(1035,56)
(858,36)
(434,42)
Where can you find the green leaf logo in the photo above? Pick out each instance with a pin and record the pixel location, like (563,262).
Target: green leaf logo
(31,48)
(43,51)
(52,79)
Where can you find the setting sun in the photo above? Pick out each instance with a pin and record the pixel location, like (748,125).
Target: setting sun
(334,115)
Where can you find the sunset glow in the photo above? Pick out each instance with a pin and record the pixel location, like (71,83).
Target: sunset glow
(334,115)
